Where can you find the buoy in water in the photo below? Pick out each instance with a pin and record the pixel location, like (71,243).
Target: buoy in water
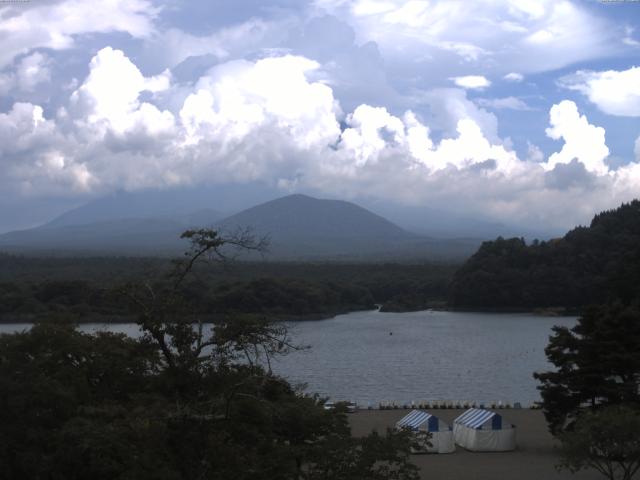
(390,333)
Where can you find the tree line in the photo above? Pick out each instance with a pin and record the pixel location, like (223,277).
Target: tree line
(589,265)
(90,289)
(184,401)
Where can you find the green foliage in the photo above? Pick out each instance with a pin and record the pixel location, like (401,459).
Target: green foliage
(91,289)
(607,440)
(597,363)
(178,403)
(589,265)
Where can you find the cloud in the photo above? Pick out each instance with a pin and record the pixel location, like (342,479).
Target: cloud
(534,154)
(477,32)
(31,71)
(109,97)
(509,103)
(582,141)
(33,155)
(471,81)
(56,25)
(276,120)
(173,46)
(614,92)
(628,37)
(448,106)
(514,77)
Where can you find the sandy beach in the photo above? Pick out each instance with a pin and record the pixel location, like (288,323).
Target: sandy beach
(534,458)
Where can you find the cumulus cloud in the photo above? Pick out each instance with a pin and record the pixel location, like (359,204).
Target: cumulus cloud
(534,154)
(56,25)
(173,45)
(31,71)
(33,153)
(472,81)
(514,77)
(582,141)
(447,106)
(273,119)
(109,97)
(614,92)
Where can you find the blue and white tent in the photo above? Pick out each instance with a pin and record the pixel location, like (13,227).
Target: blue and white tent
(418,421)
(481,430)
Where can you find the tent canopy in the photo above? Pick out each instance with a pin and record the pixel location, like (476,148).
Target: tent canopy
(419,420)
(477,418)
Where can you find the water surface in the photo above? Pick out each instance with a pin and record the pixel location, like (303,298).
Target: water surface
(372,356)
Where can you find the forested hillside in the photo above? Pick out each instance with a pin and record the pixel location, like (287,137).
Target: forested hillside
(94,288)
(588,265)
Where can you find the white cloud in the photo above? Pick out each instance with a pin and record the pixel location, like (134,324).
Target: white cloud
(271,120)
(450,105)
(31,71)
(243,96)
(628,37)
(33,155)
(173,46)
(614,92)
(55,25)
(471,81)
(478,32)
(514,77)
(109,97)
(534,154)
(582,141)
(509,103)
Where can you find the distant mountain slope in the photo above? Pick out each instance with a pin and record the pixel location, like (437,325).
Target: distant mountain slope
(303,216)
(299,227)
(302,228)
(166,203)
(139,236)
(588,265)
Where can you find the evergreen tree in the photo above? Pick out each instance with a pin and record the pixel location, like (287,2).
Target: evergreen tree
(597,363)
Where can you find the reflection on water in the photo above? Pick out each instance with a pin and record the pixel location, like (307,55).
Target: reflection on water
(373,356)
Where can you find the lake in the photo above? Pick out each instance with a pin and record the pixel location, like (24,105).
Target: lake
(373,356)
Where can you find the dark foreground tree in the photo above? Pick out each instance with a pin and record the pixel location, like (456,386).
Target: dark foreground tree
(597,364)
(607,440)
(180,402)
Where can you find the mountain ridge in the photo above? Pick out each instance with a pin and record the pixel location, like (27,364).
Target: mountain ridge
(300,227)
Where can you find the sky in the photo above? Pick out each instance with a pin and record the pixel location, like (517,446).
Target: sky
(519,111)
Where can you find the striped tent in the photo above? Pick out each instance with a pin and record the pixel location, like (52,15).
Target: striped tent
(418,421)
(482,430)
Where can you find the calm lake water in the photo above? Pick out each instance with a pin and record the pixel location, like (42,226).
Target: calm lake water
(372,356)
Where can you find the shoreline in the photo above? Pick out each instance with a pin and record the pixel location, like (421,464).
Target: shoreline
(535,456)
(29,319)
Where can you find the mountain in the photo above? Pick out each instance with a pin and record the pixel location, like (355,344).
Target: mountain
(138,236)
(299,227)
(171,203)
(296,216)
(589,265)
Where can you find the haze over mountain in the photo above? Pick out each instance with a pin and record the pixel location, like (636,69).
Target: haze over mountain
(299,227)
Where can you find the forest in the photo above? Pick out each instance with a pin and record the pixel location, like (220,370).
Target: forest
(94,288)
(590,265)
(176,403)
